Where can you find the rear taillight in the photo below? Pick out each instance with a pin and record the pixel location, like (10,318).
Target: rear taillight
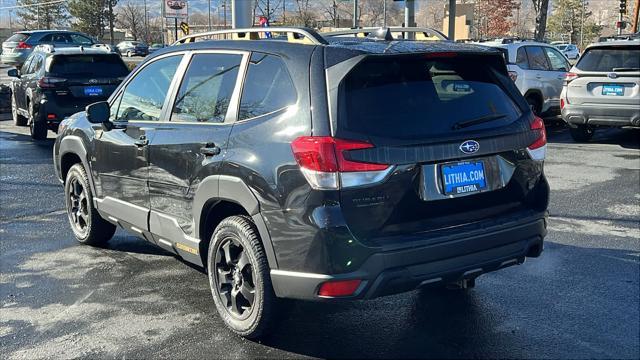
(324,165)
(513,75)
(538,149)
(569,77)
(50,82)
(561,103)
(23,45)
(339,288)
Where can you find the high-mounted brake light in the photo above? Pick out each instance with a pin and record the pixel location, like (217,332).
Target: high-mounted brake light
(23,45)
(569,77)
(324,165)
(538,149)
(447,54)
(339,288)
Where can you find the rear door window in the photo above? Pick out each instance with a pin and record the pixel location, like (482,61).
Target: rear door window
(206,89)
(537,59)
(610,58)
(521,58)
(417,98)
(84,66)
(267,87)
(80,40)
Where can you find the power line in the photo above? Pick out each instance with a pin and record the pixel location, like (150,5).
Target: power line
(32,5)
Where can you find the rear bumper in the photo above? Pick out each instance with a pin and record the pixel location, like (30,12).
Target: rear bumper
(13,59)
(53,113)
(397,270)
(601,114)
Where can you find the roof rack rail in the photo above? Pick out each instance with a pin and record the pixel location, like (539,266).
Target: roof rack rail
(300,35)
(382,32)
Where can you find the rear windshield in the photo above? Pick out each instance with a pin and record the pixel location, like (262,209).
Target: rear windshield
(561,47)
(610,59)
(106,66)
(18,37)
(413,98)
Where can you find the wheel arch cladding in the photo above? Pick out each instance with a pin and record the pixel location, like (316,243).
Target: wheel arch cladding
(221,196)
(536,94)
(72,149)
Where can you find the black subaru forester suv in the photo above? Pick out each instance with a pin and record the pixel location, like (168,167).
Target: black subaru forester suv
(314,168)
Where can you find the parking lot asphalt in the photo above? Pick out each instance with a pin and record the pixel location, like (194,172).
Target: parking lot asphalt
(132,299)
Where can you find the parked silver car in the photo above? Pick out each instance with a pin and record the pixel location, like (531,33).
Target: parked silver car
(18,46)
(603,88)
(569,50)
(538,70)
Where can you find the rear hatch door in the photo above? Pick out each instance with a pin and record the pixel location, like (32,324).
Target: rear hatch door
(607,75)
(87,77)
(452,128)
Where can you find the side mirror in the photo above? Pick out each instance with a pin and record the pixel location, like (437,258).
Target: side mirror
(14,73)
(98,113)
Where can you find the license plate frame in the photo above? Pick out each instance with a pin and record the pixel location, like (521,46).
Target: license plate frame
(93,91)
(463,177)
(612,90)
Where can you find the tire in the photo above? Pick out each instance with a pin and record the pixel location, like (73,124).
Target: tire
(18,120)
(88,226)
(128,53)
(237,264)
(534,104)
(582,133)
(37,127)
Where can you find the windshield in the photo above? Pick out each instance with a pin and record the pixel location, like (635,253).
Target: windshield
(413,98)
(78,66)
(609,58)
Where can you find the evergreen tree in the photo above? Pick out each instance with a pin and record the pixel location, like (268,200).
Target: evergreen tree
(33,16)
(567,22)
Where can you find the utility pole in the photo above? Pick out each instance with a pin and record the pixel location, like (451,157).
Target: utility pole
(410,17)
(384,13)
(355,14)
(209,21)
(634,22)
(146,23)
(452,20)
(224,6)
(581,24)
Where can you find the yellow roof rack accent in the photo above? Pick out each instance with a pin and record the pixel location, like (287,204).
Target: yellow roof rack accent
(300,35)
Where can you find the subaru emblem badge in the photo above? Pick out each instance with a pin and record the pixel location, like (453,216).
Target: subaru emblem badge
(612,75)
(469,147)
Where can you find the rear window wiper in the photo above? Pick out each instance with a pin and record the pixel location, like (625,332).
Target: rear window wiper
(480,120)
(626,69)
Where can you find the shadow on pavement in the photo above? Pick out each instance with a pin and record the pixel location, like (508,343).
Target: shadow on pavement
(628,138)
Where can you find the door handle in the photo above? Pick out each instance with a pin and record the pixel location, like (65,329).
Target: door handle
(142,141)
(210,149)
(538,77)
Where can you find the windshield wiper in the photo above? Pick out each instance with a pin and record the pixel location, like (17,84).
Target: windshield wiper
(626,69)
(480,120)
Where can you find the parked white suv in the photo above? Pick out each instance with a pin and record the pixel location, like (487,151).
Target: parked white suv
(569,50)
(603,88)
(538,69)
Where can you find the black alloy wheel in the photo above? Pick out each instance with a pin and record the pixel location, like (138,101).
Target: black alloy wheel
(235,286)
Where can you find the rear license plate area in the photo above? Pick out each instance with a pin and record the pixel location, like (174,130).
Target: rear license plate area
(613,90)
(463,177)
(92,91)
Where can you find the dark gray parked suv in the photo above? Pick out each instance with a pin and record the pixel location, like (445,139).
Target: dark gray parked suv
(318,168)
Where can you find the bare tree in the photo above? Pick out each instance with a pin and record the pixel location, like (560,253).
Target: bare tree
(541,8)
(131,17)
(305,13)
(268,8)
